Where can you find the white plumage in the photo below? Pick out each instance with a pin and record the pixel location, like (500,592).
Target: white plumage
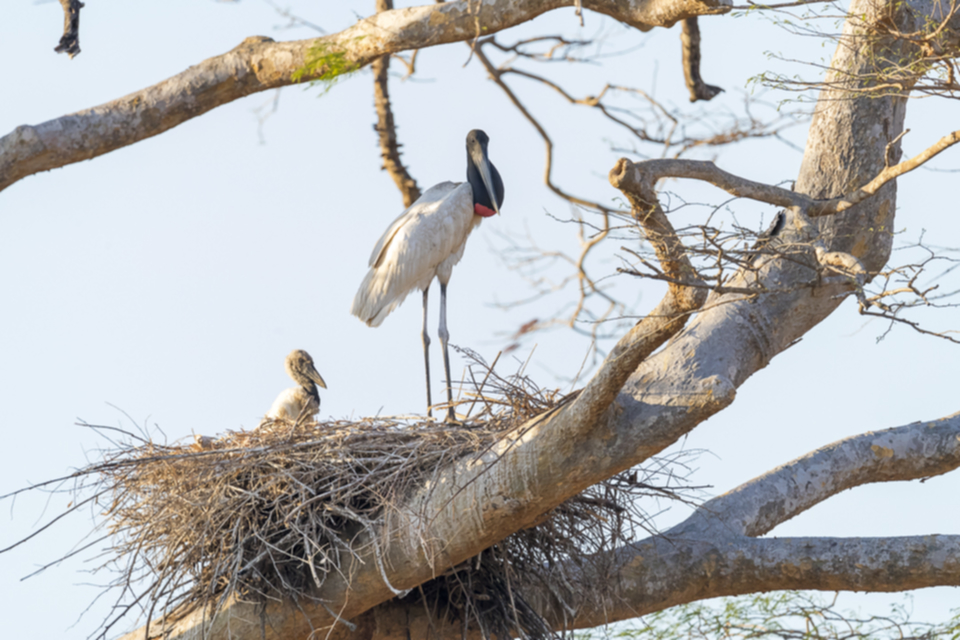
(426,241)
(291,402)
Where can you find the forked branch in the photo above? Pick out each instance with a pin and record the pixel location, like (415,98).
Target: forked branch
(669,316)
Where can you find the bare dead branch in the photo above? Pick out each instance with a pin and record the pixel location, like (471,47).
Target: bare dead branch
(838,205)
(532,257)
(496,76)
(410,63)
(742,188)
(587,285)
(295,20)
(690,41)
(386,127)
(663,132)
(900,292)
(529,259)
(640,189)
(559,42)
(707,171)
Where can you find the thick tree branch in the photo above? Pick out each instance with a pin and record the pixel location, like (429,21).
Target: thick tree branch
(707,171)
(661,573)
(690,42)
(70,40)
(386,127)
(259,63)
(918,450)
(715,552)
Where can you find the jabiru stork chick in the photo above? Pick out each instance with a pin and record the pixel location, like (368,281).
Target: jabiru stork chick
(424,243)
(303,399)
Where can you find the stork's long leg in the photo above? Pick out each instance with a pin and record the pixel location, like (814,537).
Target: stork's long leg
(426,350)
(444,338)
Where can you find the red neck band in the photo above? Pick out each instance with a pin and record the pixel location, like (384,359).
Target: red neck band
(482,211)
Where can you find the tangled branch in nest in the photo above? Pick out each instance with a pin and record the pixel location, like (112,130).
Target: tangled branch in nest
(270,513)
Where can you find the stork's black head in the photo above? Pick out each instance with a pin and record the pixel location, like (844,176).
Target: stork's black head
(483,177)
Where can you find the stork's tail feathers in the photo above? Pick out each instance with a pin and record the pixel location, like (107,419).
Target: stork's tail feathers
(375,299)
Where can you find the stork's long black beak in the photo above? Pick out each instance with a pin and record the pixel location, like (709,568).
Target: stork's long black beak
(316,377)
(486,174)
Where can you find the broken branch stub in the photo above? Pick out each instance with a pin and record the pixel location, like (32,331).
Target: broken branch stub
(690,42)
(70,40)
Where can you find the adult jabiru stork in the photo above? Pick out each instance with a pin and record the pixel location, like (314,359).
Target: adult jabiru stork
(424,243)
(304,398)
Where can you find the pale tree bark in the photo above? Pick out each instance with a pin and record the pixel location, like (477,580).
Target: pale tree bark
(259,63)
(716,552)
(641,400)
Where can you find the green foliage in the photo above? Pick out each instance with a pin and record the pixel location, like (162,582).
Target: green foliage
(325,64)
(783,615)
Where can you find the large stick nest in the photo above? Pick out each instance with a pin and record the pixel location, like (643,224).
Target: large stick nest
(268,514)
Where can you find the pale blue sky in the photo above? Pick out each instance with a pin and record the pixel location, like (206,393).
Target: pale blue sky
(171,278)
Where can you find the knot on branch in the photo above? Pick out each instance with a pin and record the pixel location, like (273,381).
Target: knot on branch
(719,392)
(254,40)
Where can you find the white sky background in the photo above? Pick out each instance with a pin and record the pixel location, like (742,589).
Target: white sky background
(171,278)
